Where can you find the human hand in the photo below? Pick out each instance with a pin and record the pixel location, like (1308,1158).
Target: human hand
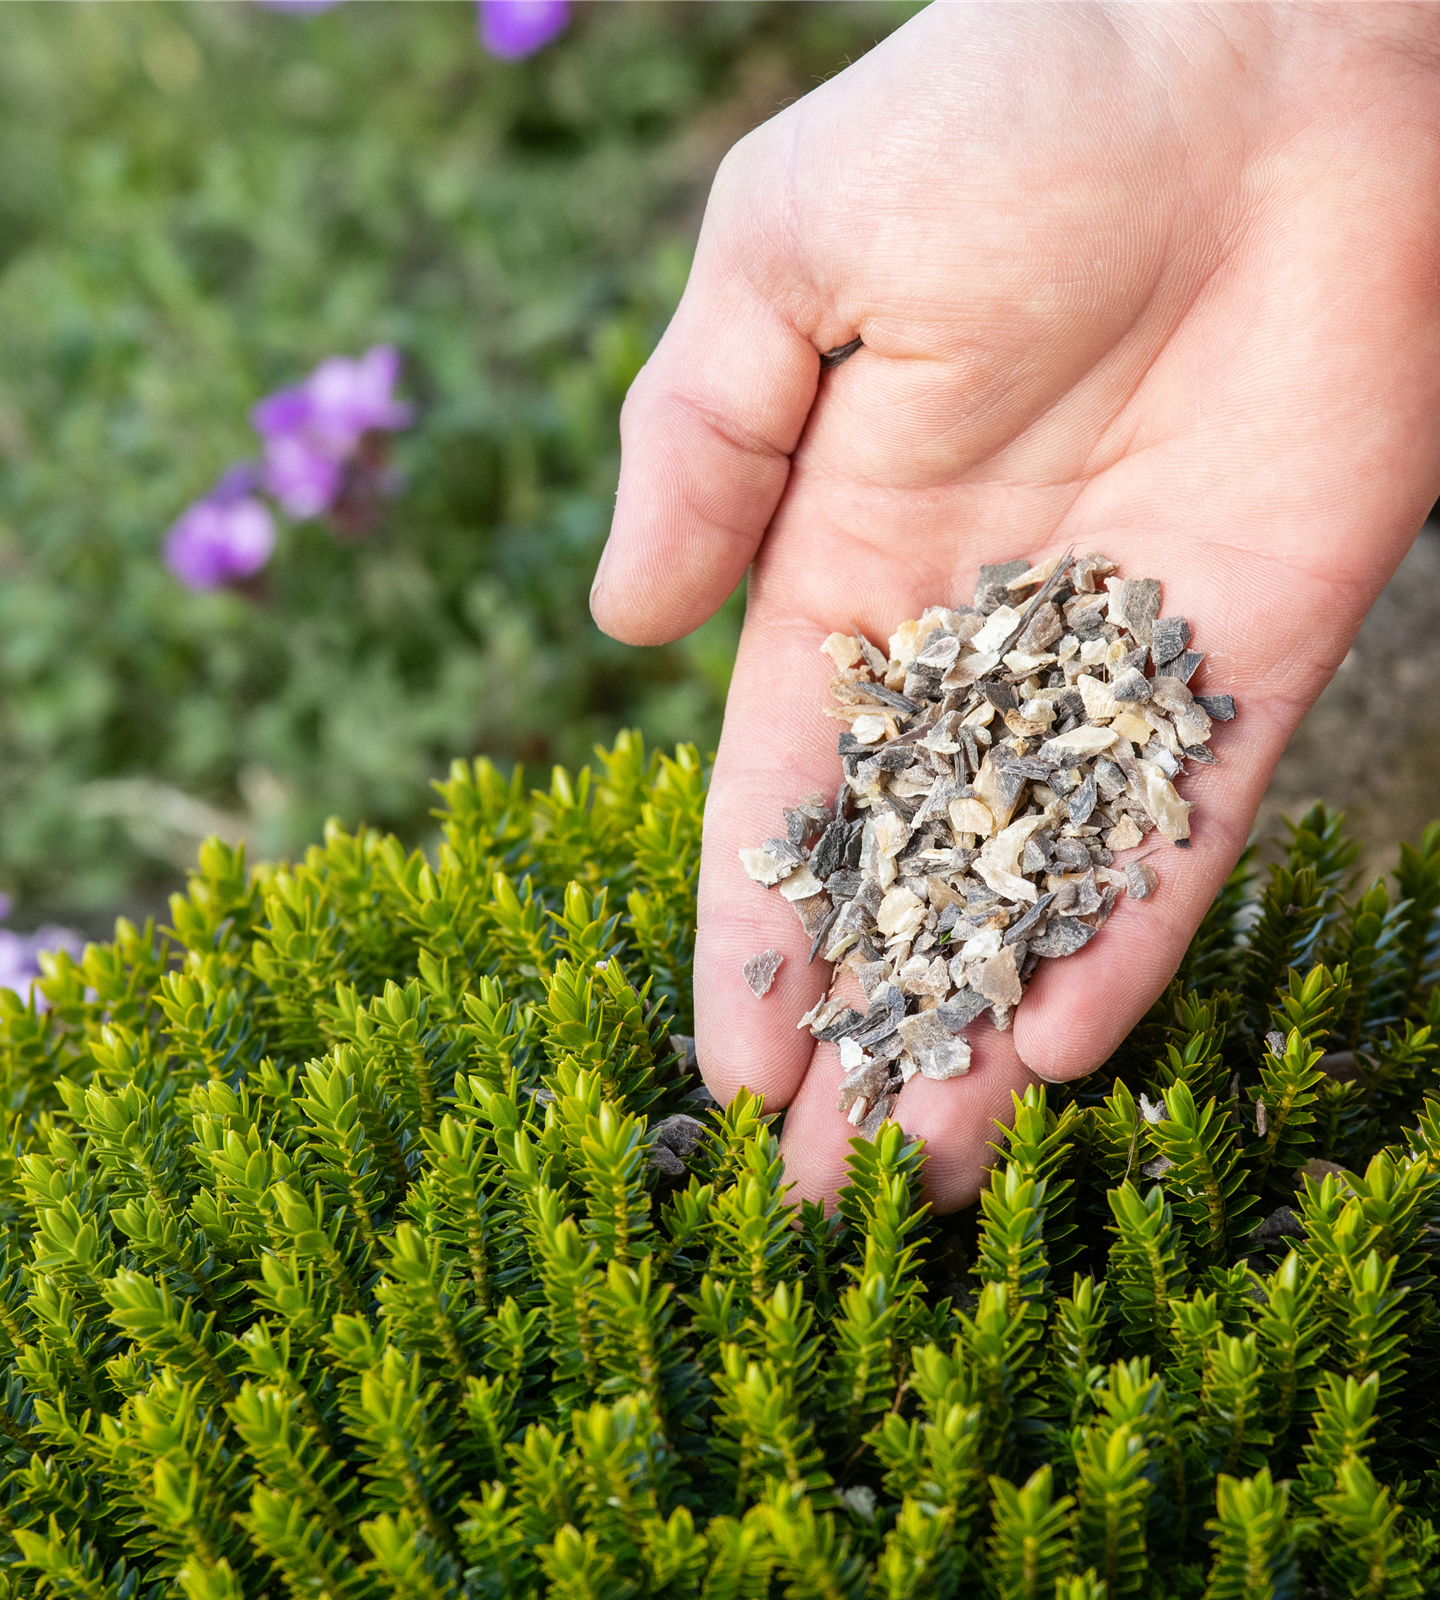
(1155,281)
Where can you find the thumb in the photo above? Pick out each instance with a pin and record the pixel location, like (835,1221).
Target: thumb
(706,435)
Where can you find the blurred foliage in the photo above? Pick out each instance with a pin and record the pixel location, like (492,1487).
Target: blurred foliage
(201,202)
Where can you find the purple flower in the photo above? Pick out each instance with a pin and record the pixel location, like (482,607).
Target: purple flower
(314,429)
(301,478)
(20,958)
(511,29)
(224,537)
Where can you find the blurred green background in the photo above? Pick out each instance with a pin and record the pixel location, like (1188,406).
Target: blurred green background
(197,204)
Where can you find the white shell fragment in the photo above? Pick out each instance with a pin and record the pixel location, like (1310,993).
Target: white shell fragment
(997,756)
(1124,835)
(938,1054)
(760,972)
(800,884)
(768,868)
(1082,741)
(844,650)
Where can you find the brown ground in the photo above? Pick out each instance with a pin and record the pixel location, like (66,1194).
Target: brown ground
(1371,744)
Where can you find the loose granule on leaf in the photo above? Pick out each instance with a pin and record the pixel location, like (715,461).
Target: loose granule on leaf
(760,972)
(995,761)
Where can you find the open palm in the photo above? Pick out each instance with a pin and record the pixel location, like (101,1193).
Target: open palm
(1159,282)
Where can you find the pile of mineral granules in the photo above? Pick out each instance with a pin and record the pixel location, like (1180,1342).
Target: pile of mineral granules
(995,762)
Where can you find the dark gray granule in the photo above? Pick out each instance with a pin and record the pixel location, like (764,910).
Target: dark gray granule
(1070,703)
(1219,706)
(1169,637)
(888,697)
(990,590)
(958,1012)
(822,933)
(1018,930)
(843,1024)
(840,354)
(783,851)
(1110,778)
(1072,853)
(1082,800)
(825,857)
(666,1162)
(1282,1223)
(1063,782)
(1032,859)
(1131,687)
(680,1133)
(1063,937)
(878,1114)
(1184,666)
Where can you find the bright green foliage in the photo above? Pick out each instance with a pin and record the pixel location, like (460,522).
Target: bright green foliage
(1254,1542)
(1203,1177)
(1029,1550)
(336,1264)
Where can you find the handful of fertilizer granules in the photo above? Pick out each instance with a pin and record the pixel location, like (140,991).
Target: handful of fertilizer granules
(995,763)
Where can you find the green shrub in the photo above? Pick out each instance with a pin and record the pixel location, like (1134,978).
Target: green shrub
(350,1251)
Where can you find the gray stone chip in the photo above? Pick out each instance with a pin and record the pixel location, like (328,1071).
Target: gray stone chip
(1169,637)
(1063,937)
(826,856)
(1140,602)
(680,1133)
(869,1078)
(1082,800)
(1220,707)
(961,1009)
(1021,929)
(990,590)
(667,1161)
(760,970)
(843,1024)
(1282,1223)
(1132,687)
(878,1114)
(939,1054)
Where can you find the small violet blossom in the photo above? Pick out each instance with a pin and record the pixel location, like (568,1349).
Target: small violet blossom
(315,430)
(223,538)
(20,957)
(511,29)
